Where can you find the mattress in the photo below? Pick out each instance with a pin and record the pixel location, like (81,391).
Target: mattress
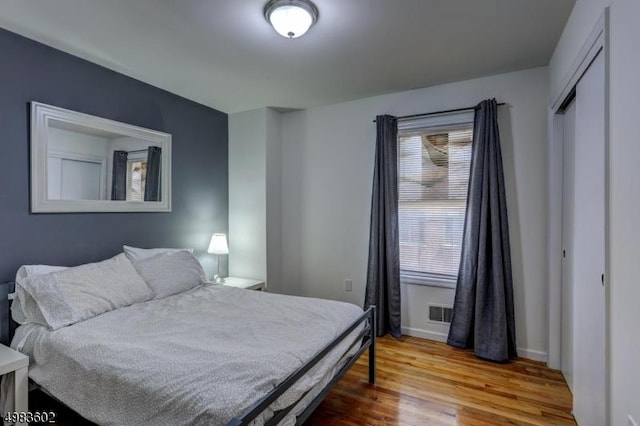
(201,357)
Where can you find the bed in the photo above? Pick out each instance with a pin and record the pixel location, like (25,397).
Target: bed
(208,355)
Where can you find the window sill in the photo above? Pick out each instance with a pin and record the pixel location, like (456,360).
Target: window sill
(429,282)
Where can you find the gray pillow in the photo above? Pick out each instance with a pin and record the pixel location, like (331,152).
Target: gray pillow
(171,273)
(79,293)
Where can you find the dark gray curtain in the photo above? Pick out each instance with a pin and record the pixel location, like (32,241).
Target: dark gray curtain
(119,176)
(383,271)
(483,317)
(152,184)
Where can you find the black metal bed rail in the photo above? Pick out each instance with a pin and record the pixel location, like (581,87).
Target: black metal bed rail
(369,342)
(281,414)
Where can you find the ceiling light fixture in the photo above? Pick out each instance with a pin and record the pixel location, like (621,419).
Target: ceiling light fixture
(291,18)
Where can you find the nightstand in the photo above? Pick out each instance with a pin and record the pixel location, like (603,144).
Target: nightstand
(245,283)
(13,362)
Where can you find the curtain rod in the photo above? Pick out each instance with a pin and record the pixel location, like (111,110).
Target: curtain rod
(426,114)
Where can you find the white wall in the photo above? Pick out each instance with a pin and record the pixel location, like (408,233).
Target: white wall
(77,143)
(128,143)
(625,211)
(247,197)
(87,184)
(254,196)
(583,18)
(273,188)
(327,171)
(624,240)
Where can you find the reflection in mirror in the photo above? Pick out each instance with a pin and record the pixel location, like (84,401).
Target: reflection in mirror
(94,164)
(98,165)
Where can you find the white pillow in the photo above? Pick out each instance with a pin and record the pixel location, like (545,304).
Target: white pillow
(23,302)
(76,294)
(171,273)
(135,253)
(29,270)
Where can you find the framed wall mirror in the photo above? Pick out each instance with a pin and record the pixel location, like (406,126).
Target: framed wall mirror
(83,163)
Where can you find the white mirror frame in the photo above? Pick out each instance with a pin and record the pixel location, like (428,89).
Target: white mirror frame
(41,114)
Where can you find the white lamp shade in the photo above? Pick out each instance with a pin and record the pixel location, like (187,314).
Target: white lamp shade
(291,18)
(291,21)
(218,244)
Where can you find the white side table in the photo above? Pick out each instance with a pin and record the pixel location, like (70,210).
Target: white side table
(245,283)
(13,362)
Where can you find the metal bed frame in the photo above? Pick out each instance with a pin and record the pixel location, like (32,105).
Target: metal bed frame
(366,337)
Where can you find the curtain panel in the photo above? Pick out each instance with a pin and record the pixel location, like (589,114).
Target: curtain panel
(483,312)
(152,183)
(119,176)
(383,271)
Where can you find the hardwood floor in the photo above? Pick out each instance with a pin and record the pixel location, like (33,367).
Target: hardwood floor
(421,382)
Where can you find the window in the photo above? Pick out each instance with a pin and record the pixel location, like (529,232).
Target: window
(434,159)
(136,177)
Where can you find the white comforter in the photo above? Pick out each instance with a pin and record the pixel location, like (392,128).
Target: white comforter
(200,357)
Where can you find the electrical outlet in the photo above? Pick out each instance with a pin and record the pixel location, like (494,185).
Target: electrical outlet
(348,285)
(632,422)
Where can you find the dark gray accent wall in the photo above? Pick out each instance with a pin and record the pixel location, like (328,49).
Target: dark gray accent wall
(30,71)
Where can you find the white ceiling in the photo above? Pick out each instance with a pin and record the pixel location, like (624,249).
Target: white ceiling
(222,53)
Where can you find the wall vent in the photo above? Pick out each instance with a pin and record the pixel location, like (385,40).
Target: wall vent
(438,313)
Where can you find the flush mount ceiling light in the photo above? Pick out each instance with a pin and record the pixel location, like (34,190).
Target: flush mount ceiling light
(291,18)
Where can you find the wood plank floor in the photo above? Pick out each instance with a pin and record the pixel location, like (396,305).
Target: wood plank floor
(421,382)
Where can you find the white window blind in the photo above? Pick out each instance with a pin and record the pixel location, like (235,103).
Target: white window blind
(434,158)
(136,179)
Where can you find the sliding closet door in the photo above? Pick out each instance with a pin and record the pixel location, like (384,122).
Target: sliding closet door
(568,233)
(588,250)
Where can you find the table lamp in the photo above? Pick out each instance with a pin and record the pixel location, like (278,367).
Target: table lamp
(218,246)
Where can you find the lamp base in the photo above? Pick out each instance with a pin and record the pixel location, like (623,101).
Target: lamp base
(218,279)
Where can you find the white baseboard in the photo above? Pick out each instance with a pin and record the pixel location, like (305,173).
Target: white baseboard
(425,334)
(531,354)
